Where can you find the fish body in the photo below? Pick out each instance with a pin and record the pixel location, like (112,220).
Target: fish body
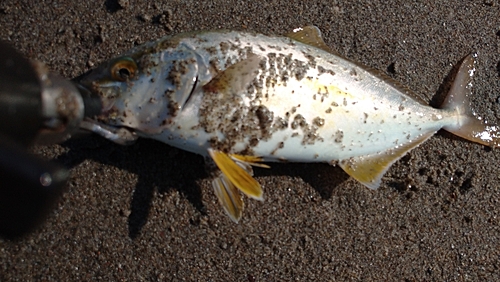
(239,98)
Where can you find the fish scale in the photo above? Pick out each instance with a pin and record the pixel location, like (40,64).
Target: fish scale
(239,98)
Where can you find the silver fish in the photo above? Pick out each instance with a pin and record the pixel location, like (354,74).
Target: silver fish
(240,98)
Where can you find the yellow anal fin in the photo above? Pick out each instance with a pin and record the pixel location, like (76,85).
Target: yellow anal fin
(310,35)
(237,175)
(369,170)
(235,78)
(229,197)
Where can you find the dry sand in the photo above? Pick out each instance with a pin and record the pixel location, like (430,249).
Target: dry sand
(147,212)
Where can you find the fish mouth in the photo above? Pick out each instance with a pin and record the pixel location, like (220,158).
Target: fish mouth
(92,102)
(90,86)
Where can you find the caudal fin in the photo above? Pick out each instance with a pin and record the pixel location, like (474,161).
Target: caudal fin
(468,126)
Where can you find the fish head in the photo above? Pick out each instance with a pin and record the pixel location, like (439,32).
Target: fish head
(112,80)
(146,88)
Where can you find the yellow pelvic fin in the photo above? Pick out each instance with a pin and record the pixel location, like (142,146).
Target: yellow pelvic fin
(369,169)
(229,197)
(252,160)
(235,78)
(240,177)
(310,35)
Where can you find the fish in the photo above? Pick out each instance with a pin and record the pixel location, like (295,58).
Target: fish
(244,99)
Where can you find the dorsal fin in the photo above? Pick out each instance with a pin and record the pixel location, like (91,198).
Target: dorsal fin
(394,83)
(310,35)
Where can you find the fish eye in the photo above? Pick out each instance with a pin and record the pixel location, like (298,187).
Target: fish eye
(123,69)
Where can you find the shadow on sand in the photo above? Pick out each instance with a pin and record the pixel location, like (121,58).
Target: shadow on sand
(165,168)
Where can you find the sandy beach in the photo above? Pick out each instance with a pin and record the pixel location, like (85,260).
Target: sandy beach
(147,212)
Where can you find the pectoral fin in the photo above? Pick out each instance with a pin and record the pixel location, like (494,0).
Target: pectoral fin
(369,169)
(238,176)
(235,78)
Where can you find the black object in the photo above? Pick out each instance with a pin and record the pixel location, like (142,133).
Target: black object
(20,99)
(35,106)
(29,189)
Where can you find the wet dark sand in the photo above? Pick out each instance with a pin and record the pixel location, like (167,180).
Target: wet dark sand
(147,212)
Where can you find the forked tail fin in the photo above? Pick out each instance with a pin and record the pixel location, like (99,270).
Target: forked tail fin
(468,126)
(369,169)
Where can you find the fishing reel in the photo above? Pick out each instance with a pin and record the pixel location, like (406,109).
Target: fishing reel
(36,107)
